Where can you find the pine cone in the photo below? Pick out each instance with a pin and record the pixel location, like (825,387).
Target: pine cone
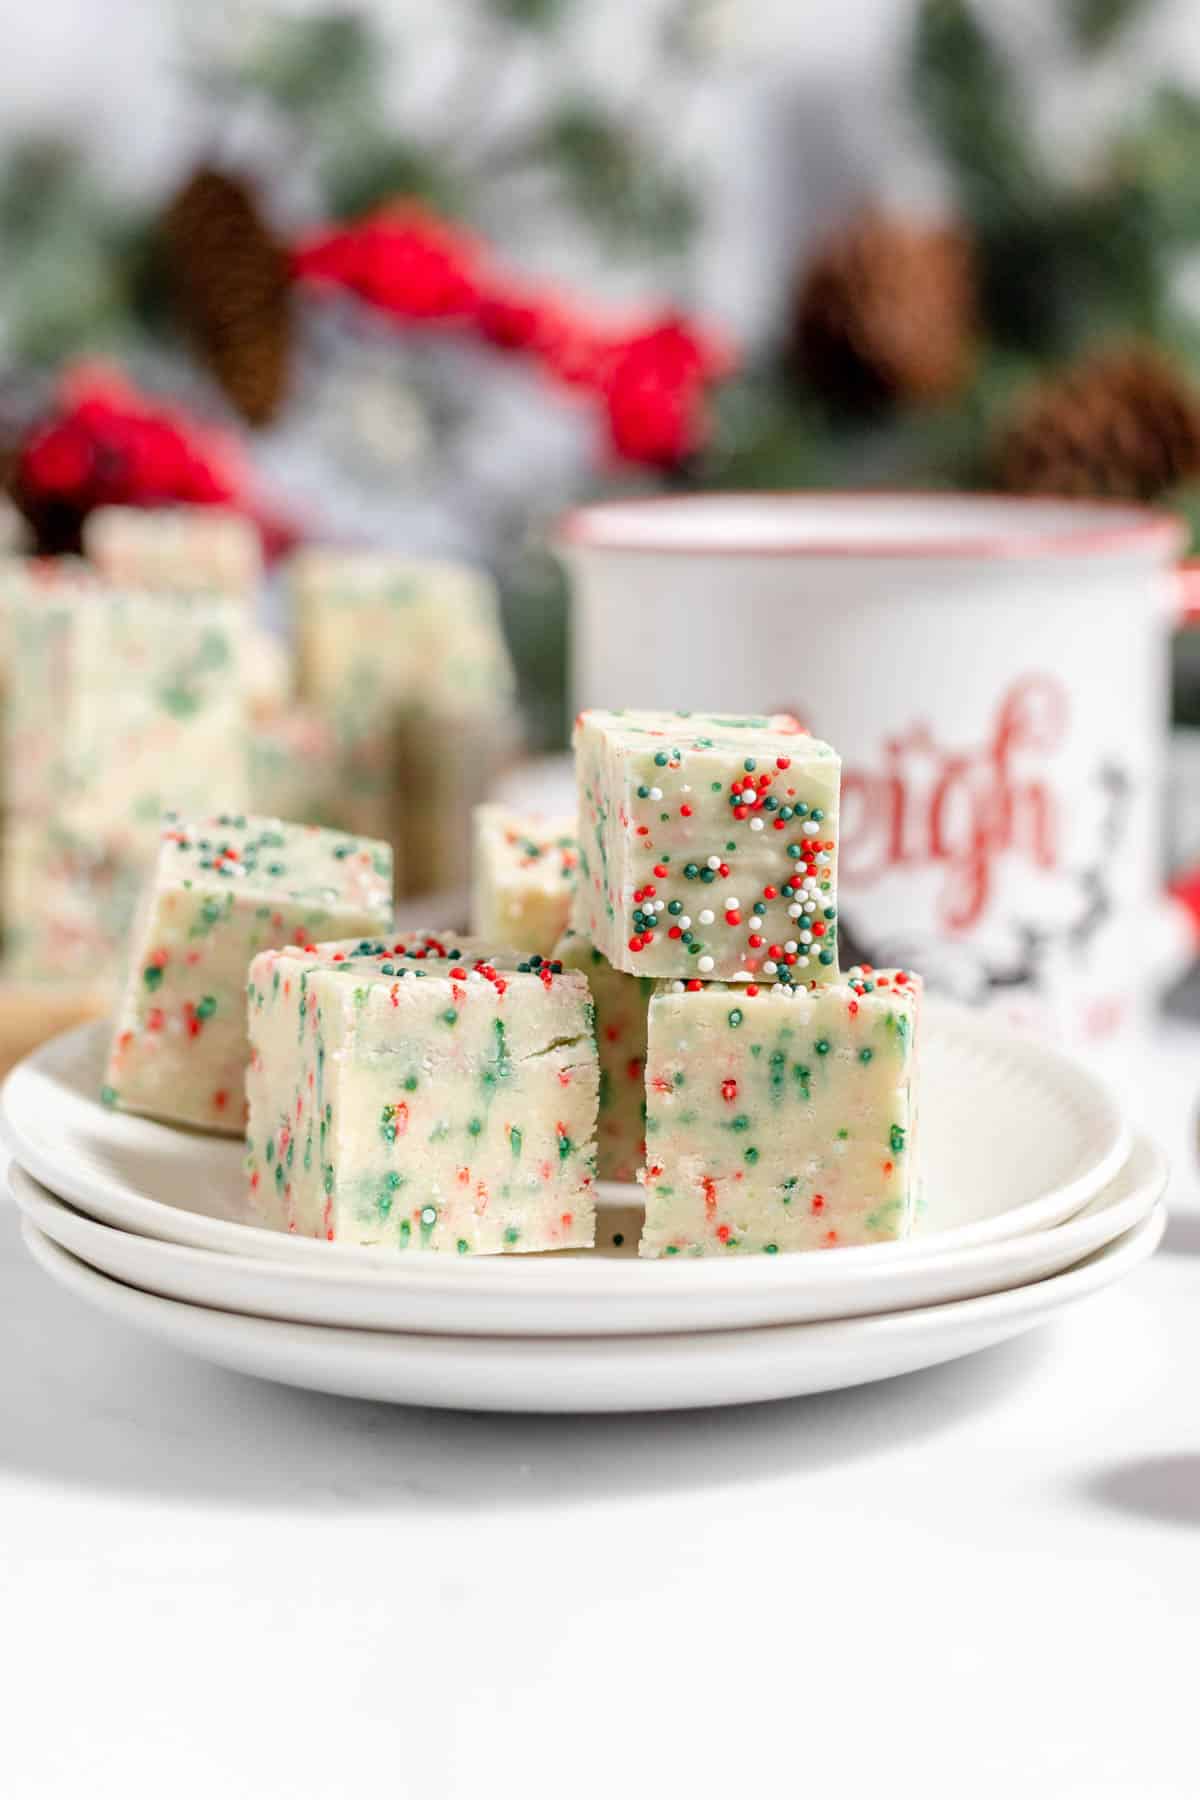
(229,277)
(885,313)
(1121,424)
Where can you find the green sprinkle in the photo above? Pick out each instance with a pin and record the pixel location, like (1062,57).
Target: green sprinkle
(152,976)
(511,1234)
(822,1046)
(735,1017)
(750,1154)
(462,1246)
(108,1095)
(864,1056)
(896,1139)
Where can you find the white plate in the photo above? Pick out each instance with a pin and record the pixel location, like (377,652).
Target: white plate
(613,1374)
(1015,1137)
(801,1290)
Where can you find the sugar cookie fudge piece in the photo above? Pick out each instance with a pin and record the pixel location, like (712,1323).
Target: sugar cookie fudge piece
(707,845)
(406,658)
(175,549)
(294,767)
(522,877)
(780,1118)
(620,1001)
(224,889)
(379,634)
(422,1095)
(120,705)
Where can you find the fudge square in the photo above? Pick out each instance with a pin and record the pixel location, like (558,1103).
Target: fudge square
(781,1118)
(422,1094)
(621,1002)
(175,549)
(222,890)
(522,877)
(707,845)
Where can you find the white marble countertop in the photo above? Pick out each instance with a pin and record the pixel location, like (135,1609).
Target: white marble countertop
(980,1581)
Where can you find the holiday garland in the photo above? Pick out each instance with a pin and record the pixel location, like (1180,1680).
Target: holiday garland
(650,378)
(106,444)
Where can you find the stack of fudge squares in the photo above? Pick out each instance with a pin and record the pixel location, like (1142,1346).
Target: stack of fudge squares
(764,1100)
(672,1012)
(420,1090)
(137,678)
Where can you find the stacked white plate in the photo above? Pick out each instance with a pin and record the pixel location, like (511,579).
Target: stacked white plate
(1036,1193)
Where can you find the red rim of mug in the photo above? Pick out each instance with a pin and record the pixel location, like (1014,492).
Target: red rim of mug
(1128,527)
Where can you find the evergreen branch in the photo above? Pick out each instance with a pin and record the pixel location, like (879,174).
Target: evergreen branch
(968,96)
(1096,24)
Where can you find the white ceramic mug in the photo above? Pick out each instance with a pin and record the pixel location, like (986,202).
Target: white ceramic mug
(993,672)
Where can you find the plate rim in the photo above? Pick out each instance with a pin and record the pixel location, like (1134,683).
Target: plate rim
(47,1209)
(116,1204)
(1034,1299)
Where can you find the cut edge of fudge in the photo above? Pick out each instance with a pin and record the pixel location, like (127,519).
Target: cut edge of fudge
(796,1143)
(455,1096)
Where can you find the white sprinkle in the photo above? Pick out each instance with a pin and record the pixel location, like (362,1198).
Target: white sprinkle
(770,968)
(705,965)
(756,824)
(731,903)
(802,962)
(810,829)
(656,793)
(810,906)
(677,987)
(707,916)
(714,862)
(685,923)
(854,974)
(806,937)
(810,882)
(791,946)
(794,911)
(686,788)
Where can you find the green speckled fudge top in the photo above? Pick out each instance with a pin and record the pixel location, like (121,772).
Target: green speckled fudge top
(687,731)
(272,859)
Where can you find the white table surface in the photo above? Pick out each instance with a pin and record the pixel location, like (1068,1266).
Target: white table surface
(979,1581)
